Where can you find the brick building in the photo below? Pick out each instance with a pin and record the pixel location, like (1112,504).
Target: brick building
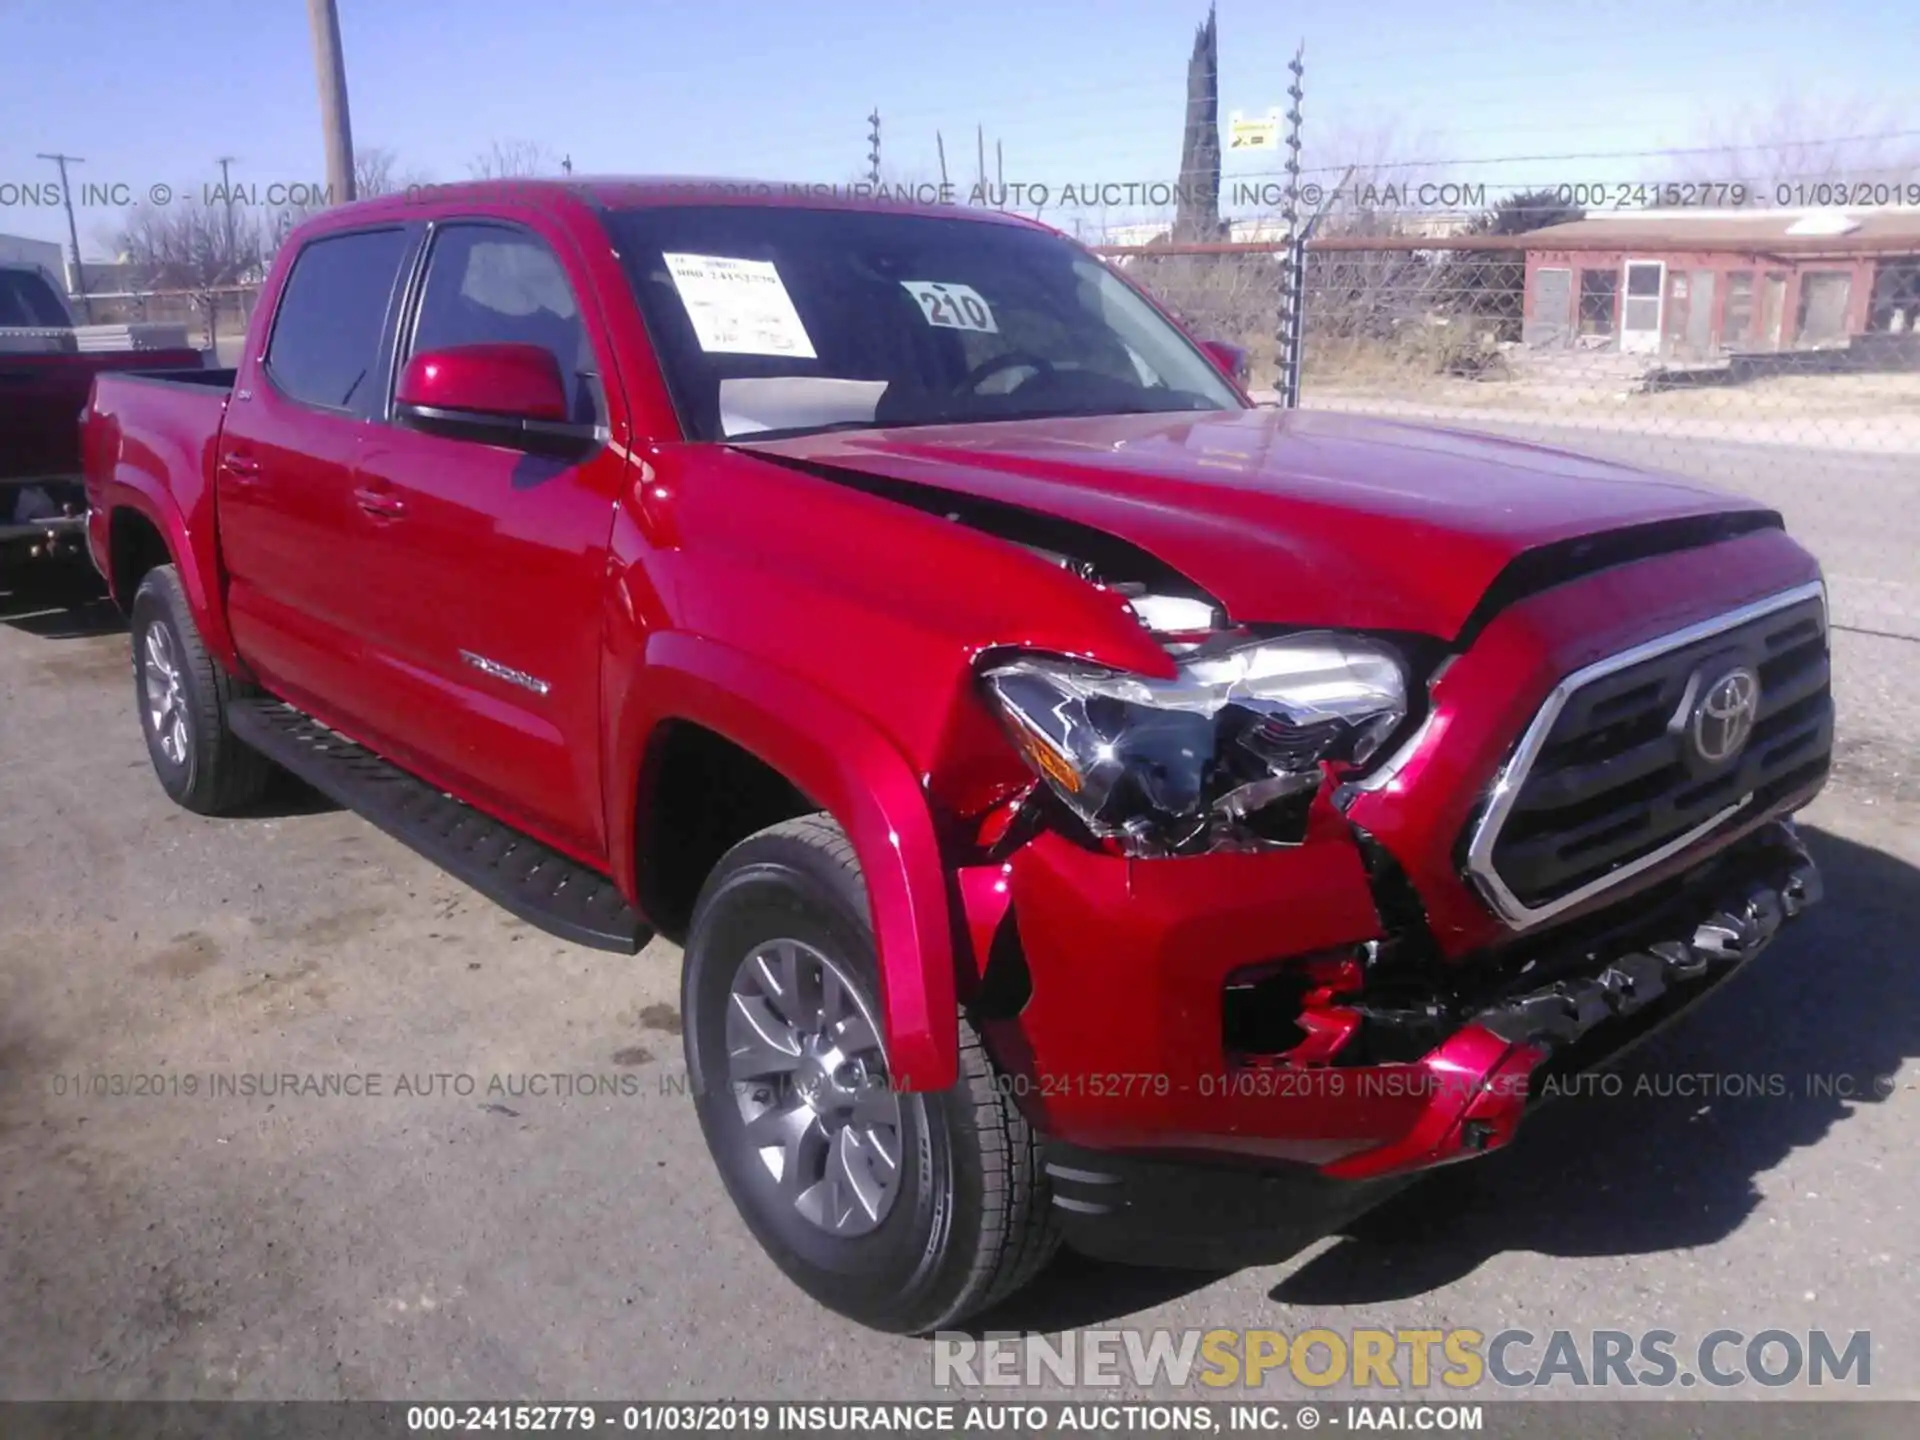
(1704,283)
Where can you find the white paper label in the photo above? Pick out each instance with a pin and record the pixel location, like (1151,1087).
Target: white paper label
(738,307)
(952,307)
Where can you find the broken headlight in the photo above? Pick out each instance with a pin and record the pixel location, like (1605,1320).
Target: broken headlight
(1227,755)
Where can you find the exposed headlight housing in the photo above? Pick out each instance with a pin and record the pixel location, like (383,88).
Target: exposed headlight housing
(1202,761)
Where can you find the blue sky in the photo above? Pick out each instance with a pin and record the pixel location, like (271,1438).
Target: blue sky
(1075,91)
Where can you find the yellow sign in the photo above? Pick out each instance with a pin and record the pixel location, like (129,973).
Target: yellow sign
(1260,133)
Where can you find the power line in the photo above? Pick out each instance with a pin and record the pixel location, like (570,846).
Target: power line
(1605,154)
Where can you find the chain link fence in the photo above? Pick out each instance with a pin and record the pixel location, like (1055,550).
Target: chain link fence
(215,317)
(1786,369)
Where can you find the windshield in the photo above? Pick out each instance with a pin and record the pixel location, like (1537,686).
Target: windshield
(774,321)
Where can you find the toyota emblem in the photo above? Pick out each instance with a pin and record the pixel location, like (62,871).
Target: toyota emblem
(1724,717)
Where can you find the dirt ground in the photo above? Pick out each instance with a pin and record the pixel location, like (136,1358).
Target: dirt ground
(1866,411)
(524,1209)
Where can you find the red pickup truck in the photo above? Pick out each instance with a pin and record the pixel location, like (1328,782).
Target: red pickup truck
(1092,806)
(44,379)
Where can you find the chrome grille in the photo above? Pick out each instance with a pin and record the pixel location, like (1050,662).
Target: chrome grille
(1608,779)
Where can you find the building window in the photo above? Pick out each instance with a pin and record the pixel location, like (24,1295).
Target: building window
(1822,317)
(1896,297)
(1736,325)
(1598,289)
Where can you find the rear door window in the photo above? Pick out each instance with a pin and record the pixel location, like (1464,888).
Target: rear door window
(332,318)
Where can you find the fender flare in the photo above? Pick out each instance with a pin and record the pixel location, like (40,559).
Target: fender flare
(853,770)
(190,546)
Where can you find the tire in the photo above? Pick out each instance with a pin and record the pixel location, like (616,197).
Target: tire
(181,696)
(967,1220)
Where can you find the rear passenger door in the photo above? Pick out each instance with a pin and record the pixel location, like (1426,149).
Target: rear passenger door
(302,406)
(486,629)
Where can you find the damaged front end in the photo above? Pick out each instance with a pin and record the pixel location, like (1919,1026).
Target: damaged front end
(1228,754)
(1191,945)
(1573,1003)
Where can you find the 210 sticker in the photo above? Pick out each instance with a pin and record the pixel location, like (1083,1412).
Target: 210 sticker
(953,307)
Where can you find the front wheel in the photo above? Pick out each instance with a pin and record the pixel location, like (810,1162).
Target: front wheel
(905,1211)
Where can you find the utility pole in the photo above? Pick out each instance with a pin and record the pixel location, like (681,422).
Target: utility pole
(73,230)
(335,123)
(873,146)
(226,198)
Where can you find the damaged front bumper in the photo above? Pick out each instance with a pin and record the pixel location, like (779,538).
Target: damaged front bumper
(1569,1011)
(1158,1128)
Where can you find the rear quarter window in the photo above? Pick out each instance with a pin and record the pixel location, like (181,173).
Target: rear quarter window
(332,318)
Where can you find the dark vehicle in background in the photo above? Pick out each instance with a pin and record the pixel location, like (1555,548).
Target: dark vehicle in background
(47,365)
(1095,808)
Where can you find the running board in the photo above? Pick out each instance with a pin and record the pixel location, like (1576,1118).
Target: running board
(534,881)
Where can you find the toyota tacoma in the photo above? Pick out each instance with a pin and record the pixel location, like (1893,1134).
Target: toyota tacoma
(1094,808)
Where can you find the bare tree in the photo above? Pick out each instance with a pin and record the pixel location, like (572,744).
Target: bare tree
(205,250)
(377,171)
(1368,173)
(1793,140)
(510,159)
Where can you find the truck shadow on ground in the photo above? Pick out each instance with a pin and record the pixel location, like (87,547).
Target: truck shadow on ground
(1812,1030)
(69,603)
(1818,1026)
(60,603)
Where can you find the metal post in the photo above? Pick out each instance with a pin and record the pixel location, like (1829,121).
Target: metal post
(873,146)
(226,197)
(1292,281)
(79,286)
(335,124)
(228,268)
(1298,301)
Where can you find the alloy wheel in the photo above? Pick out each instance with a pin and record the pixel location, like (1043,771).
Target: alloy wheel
(810,1079)
(166,695)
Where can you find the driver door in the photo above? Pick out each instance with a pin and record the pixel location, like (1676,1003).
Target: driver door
(492,645)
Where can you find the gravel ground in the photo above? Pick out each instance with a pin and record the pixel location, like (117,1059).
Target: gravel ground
(546,1245)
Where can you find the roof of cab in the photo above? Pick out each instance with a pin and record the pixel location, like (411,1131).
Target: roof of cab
(628,192)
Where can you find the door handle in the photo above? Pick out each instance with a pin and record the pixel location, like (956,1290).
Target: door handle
(382,504)
(240,467)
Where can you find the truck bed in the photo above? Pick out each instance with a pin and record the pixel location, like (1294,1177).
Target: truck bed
(154,430)
(41,396)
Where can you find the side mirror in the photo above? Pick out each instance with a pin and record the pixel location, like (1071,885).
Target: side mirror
(504,394)
(1230,358)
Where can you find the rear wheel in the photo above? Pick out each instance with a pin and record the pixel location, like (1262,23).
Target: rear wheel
(904,1211)
(181,694)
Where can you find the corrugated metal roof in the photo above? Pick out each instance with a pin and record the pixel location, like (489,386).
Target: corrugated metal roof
(1733,229)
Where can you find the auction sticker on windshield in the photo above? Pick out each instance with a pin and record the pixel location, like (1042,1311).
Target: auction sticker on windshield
(738,307)
(954,307)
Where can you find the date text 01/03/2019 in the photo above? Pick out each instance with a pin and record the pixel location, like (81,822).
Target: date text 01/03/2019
(1733,194)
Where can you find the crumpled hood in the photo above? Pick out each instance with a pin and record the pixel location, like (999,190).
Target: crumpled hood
(1286,516)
